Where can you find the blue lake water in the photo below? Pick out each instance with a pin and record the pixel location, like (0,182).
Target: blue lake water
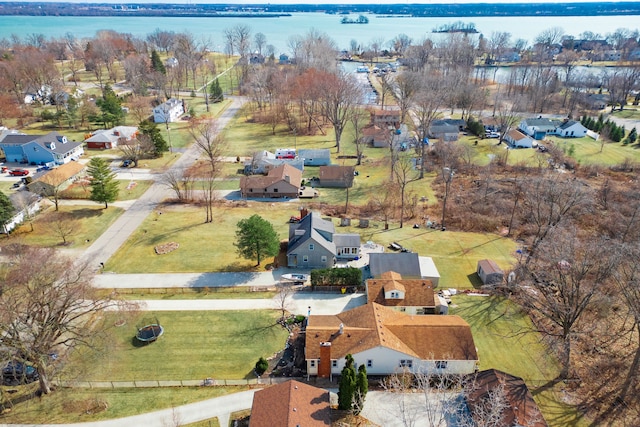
(278,30)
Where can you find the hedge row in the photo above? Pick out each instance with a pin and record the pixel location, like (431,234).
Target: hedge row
(349,276)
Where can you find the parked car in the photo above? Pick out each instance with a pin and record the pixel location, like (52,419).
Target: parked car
(18,172)
(15,373)
(493,135)
(126,163)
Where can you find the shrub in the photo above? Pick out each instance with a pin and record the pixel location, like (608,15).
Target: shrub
(261,366)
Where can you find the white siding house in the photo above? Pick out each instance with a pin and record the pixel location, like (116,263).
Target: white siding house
(387,341)
(168,111)
(571,129)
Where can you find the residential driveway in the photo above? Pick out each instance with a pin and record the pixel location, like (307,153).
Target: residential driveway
(406,409)
(220,407)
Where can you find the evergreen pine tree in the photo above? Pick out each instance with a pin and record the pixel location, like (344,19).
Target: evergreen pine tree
(110,107)
(633,136)
(6,211)
(347,386)
(152,130)
(156,63)
(104,186)
(215,91)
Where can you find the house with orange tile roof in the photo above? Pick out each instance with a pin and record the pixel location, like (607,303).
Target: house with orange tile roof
(387,341)
(410,296)
(291,404)
(282,181)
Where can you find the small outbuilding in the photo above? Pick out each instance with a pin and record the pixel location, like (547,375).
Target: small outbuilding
(489,272)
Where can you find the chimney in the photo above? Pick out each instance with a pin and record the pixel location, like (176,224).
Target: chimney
(324,367)
(303,212)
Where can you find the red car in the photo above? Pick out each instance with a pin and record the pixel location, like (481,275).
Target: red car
(18,172)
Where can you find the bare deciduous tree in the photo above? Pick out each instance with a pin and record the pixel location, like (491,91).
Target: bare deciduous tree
(559,281)
(45,304)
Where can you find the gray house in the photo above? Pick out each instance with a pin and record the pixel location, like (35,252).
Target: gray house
(444,131)
(317,157)
(264,161)
(313,243)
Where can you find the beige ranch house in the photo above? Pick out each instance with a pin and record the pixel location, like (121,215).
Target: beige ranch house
(387,341)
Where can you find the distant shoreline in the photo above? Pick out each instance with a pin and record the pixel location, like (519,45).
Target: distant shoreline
(285,10)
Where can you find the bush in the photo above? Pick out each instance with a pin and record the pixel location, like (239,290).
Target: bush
(336,277)
(261,366)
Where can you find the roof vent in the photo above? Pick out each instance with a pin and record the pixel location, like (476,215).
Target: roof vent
(341,328)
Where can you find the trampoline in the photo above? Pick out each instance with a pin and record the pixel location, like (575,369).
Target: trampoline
(150,333)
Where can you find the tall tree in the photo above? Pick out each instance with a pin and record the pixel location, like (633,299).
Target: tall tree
(404,174)
(6,211)
(347,387)
(560,281)
(151,130)
(339,99)
(110,107)
(362,387)
(46,303)
(156,63)
(215,91)
(104,186)
(256,238)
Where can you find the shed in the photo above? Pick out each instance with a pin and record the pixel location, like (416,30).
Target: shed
(489,272)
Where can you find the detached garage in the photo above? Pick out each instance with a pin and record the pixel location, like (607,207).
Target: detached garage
(489,272)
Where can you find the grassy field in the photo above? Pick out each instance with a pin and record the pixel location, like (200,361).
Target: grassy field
(90,222)
(127,191)
(193,294)
(587,151)
(77,405)
(629,112)
(502,334)
(195,345)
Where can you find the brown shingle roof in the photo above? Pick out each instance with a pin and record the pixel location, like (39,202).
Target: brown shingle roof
(516,135)
(291,404)
(337,173)
(489,266)
(275,175)
(521,408)
(62,173)
(373,325)
(417,292)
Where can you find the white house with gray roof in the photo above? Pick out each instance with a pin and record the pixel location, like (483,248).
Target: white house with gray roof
(313,243)
(571,129)
(539,128)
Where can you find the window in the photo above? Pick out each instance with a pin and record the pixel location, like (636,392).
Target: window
(354,250)
(406,363)
(313,363)
(275,190)
(394,295)
(334,363)
(323,259)
(305,258)
(251,190)
(369,363)
(441,364)
(311,246)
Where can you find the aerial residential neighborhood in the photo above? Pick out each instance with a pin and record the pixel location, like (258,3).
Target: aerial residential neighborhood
(251,232)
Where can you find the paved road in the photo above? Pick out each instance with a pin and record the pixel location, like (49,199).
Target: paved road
(111,240)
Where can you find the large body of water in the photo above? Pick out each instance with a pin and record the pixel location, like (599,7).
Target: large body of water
(278,30)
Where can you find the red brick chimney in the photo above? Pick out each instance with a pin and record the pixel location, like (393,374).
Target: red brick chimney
(324,367)
(303,212)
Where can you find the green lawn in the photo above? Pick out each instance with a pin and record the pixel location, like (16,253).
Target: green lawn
(195,345)
(90,222)
(502,334)
(203,247)
(72,405)
(587,151)
(629,112)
